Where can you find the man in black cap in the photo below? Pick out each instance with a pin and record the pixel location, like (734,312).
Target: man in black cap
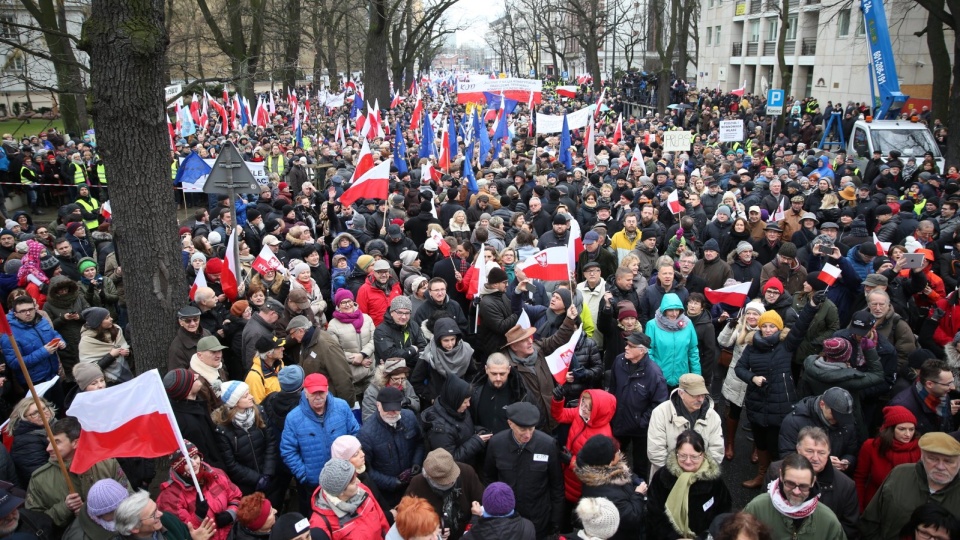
(393,445)
(184,344)
(528,461)
(397,243)
(558,236)
(261,324)
(833,413)
(18,523)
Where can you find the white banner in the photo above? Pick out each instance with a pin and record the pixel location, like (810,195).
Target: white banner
(676,141)
(512,87)
(553,123)
(731,130)
(256,169)
(170,91)
(335,100)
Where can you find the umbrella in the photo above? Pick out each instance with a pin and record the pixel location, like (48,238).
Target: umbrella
(680,106)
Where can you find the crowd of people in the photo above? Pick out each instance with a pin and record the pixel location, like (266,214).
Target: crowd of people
(376,386)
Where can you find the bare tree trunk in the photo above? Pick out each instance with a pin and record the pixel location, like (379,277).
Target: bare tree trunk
(375,69)
(940,60)
(127,43)
(291,44)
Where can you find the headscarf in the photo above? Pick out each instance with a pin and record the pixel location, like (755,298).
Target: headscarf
(31,263)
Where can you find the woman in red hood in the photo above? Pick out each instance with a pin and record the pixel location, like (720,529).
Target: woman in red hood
(591,417)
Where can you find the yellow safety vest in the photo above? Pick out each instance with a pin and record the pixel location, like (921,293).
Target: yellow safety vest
(91,224)
(173,169)
(276,166)
(79,174)
(101,174)
(23,178)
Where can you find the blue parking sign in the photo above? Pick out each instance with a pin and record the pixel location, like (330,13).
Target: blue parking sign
(775,100)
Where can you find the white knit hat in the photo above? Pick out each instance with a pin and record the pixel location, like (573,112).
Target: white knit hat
(599,516)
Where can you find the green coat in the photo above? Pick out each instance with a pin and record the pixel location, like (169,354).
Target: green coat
(900,494)
(824,324)
(47,491)
(821,525)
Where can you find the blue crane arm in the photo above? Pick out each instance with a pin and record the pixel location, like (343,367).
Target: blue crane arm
(889,98)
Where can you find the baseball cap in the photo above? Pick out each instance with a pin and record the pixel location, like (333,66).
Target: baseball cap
(270,240)
(693,384)
(315,382)
(209,343)
(390,398)
(862,323)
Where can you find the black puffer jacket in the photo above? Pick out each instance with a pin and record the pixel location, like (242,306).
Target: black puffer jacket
(496,317)
(197,427)
(843,437)
(64,298)
(247,455)
(276,407)
(29,450)
(771,358)
(587,368)
(389,341)
(617,484)
(445,428)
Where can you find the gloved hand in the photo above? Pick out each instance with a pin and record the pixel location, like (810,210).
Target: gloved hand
(415,470)
(679,233)
(558,394)
(262,483)
(565,455)
(222,519)
(732,321)
(201,509)
(936,314)
(405,476)
(818,298)
(867,344)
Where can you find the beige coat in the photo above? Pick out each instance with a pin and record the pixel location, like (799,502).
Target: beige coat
(666,425)
(353,343)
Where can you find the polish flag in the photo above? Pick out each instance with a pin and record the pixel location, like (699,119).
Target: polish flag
(524,320)
(195,108)
(574,245)
(376,113)
(734,295)
(637,158)
(364,163)
(551,264)
(559,360)
(739,91)
(360,124)
(417,113)
(204,117)
(4,323)
(105,210)
(340,137)
(780,213)
(132,419)
(829,275)
(429,171)
(273,105)
(441,243)
(567,91)
(882,247)
(618,131)
(444,162)
(228,278)
(481,265)
(589,151)
(267,261)
(673,202)
(532,113)
(596,112)
(374,184)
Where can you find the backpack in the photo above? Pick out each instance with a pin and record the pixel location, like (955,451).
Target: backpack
(4,161)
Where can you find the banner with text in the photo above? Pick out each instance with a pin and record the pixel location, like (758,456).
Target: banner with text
(676,141)
(256,169)
(553,123)
(731,130)
(512,87)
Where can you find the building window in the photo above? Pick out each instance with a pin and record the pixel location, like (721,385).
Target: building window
(711,3)
(13,63)
(860,28)
(709,35)
(772,29)
(7,29)
(754,31)
(843,23)
(716,36)
(792,26)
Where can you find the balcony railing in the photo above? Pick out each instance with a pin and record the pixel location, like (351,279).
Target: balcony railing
(790,47)
(753,48)
(808,47)
(769,48)
(737,49)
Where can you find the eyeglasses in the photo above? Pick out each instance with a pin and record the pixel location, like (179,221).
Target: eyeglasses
(947,384)
(689,457)
(189,320)
(35,414)
(921,534)
(398,379)
(346,303)
(792,486)
(25,311)
(402,313)
(157,514)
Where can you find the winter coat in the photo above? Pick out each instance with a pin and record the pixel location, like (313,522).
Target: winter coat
(247,454)
(735,337)
(429,307)
(617,484)
(652,298)
(667,423)
(183,347)
(927,420)
(902,492)
(537,379)
(390,450)
(707,498)
(498,528)
(707,346)
(819,375)
(603,408)
(467,489)
(586,367)
(354,342)
(84,528)
(771,358)
(57,306)
(496,318)
(822,524)
(715,272)
(255,329)
(792,278)
(823,325)
(31,337)
(873,468)
(351,252)
(321,353)
(180,499)
(806,412)
(675,351)
(306,440)
(373,301)
(196,426)
(639,388)
(454,433)
(392,341)
(837,491)
(368,406)
(47,489)
(29,450)
(366,523)
(535,474)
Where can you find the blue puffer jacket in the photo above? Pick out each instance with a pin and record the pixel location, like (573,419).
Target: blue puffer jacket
(31,337)
(675,351)
(862,268)
(638,389)
(390,451)
(306,440)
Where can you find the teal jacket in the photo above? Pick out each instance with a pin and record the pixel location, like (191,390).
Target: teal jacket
(675,351)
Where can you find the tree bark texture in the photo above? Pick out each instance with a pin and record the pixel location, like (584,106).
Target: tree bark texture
(376,83)
(127,43)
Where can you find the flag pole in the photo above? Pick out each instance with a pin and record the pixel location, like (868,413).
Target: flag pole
(43,417)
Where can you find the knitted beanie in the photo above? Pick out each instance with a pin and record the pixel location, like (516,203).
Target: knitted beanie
(364,261)
(498,499)
(85,373)
(341,295)
(600,517)
(198,256)
(291,378)
(93,317)
(816,283)
(598,451)
(232,391)
(177,383)
(345,447)
(401,302)
(896,415)
(239,307)
(772,283)
(771,317)
(836,350)
(104,497)
(298,269)
(755,305)
(336,476)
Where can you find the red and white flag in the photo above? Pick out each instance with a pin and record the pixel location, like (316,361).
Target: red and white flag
(199,281)
(618,131)
(637,157)
(105,210)
(574,245)
(734,295)
(374,184)
(427,170)
(417,113)
(228,278)
(673,202)
(603,95)
(481,265)
(441,243)
(590,154)
(780,213)
(267,261)
(739,91)
(551,264)
(568,91)
(829,274)
(559,360)
(132,419)
(524,320)
(364,162)
(882,247)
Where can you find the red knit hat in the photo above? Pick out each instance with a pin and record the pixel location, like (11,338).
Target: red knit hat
(897,414)
(773,283)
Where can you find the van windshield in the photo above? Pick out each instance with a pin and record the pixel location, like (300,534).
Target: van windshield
(910,142)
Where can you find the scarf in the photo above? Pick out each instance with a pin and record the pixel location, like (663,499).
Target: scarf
(671,325)
(92,350)
(678,503)
(244,419)
(209,373)
(108,525)
(529,361)
(935,404)
(452,514)
(780,503)
(355,318)
(343,508)
(31,264)
(455,361)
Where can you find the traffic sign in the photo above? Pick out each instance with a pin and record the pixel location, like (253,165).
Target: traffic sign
(230,174)
(564,74)
(775,99)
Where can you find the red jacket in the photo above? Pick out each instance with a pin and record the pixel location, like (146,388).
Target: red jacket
(872,468)
(950,322)
(604,406)
(180,499)
(367,524)
(373,301)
